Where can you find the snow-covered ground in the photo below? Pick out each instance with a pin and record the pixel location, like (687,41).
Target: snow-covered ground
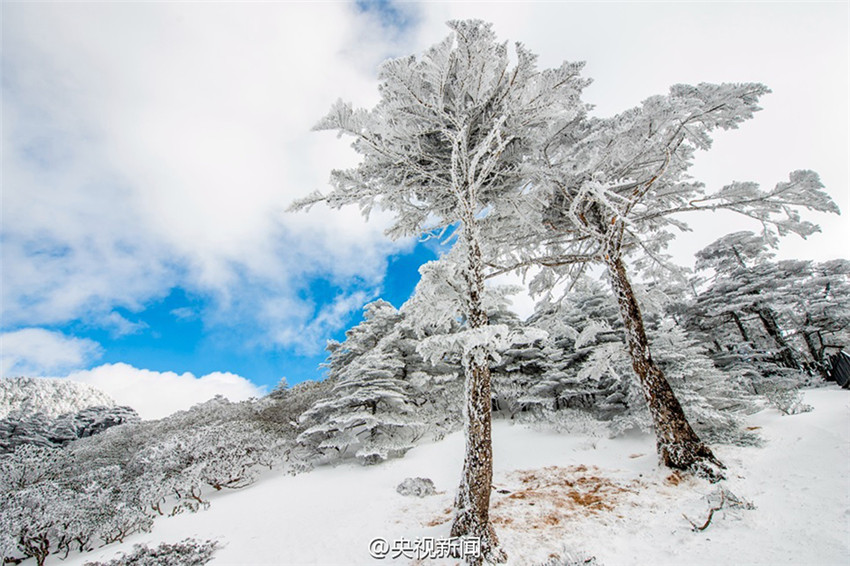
(580,492)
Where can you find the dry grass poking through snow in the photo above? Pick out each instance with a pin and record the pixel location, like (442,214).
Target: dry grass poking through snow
(535,511)
(547,498)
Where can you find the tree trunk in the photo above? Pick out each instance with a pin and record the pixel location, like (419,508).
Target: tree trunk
(740,326)
(786,355)
(472,505)
(678,445)
(817,353)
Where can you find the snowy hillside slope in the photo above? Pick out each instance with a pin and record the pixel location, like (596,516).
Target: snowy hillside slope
(580,492)
(51,397)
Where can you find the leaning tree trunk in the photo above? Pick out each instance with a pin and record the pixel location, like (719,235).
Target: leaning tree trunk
(472,505)
(737,319)
(786,354)
(817,353)
(678,445)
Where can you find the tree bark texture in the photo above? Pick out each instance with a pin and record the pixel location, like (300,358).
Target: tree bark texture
(817,353)
(785,355)
(678,445)
(472,505)
(741,327)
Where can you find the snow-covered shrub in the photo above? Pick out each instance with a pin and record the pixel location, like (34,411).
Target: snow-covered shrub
(32,520)
(168,462)
(30,465)
(164,470)
(104,501)
(30,514)
(278,413)
(101,488)
(568,421)
(48,505)
(227,456)
(188,552)
(8,546)
(787,401)
(723,501)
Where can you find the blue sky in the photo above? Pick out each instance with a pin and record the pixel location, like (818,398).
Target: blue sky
(150,151)
(172,336)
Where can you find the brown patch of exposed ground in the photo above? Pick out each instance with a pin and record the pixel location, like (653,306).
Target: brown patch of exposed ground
(550,496)
(533,508)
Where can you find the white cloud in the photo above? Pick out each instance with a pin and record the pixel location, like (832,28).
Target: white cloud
(147,146)
(30,352)
(184,313)
(118,325)
(309,338)
(156,394)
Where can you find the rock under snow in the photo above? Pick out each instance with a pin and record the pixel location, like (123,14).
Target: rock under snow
(418,487)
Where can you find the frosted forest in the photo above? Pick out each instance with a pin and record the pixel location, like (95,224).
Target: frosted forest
(473,144)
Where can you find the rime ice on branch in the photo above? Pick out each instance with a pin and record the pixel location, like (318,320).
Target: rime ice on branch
(603,189)
(444,144)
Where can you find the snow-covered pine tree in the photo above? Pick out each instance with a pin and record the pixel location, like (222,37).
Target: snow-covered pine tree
(280,390)
(741,310)
(520,365)
(434,310)
(379,320)
(611,188)
(445,142)
(434,315)
(582,333)
(746,284)
(767,317)
(370,409)
(822,311)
